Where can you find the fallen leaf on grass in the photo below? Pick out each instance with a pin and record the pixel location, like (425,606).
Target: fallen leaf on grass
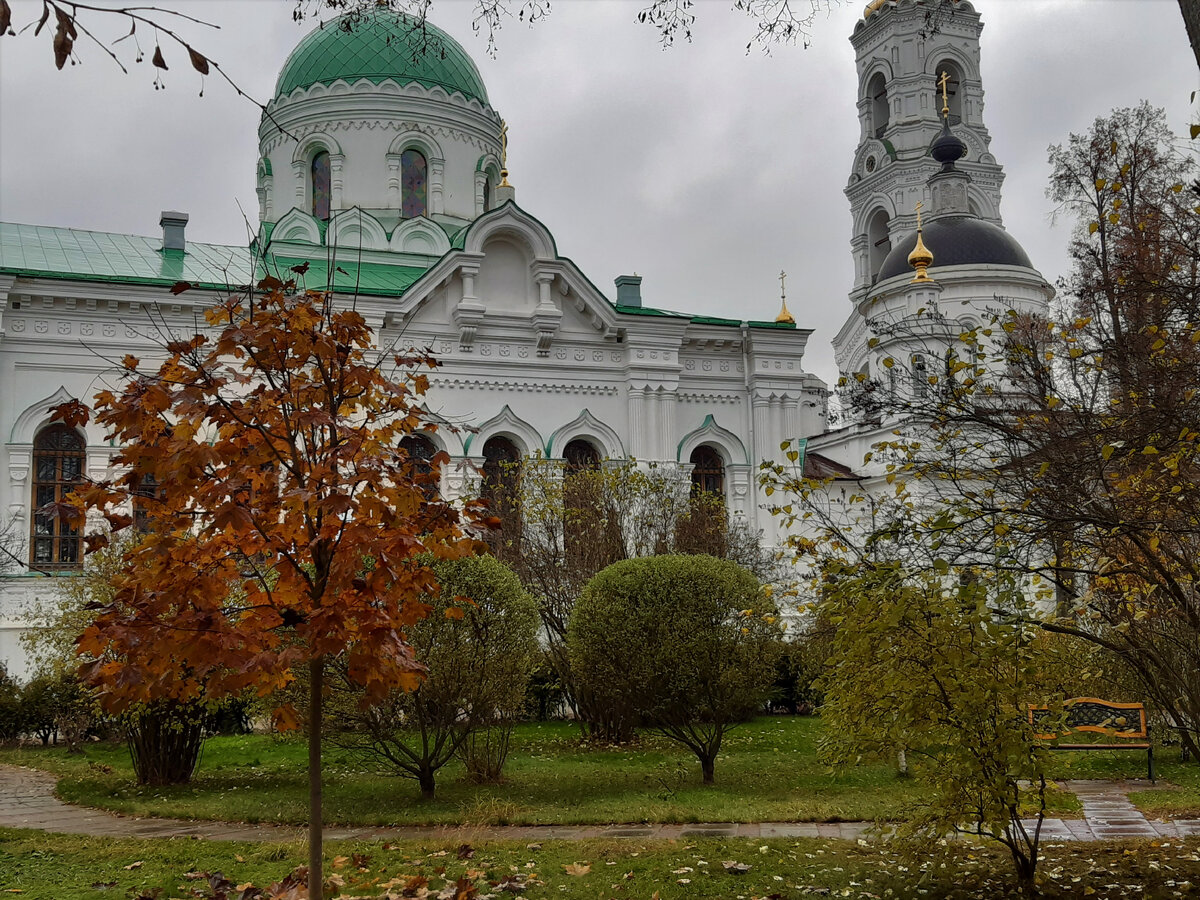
(733,867)
(577,868)
(466,851)
(133,865)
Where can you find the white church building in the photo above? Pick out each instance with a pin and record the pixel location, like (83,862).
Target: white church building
(384,170)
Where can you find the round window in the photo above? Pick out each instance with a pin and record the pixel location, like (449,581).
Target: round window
(870,164)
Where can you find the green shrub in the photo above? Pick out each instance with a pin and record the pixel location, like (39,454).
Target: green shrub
(545,694)
(479,653)
(57,704)
(12,712)
(686,644)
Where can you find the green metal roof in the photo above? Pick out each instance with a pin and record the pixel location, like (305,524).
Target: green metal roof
(65,253)
(379,45)
(376,279)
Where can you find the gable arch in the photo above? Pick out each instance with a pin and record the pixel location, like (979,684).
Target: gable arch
(419,236)
(966,66)
(413,139)
(312,144)
(724,441)
(514,224)
(37,415)
(869,207)
(487,179)
(981,203)
(587,427)
(355,228)
(296,225)
(876,67)
(506,424)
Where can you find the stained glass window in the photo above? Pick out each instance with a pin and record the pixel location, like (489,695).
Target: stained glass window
(708,471)
(414,190)
(320,186)
(58,454)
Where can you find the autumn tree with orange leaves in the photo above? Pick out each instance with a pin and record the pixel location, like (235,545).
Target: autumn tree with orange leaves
(288,527)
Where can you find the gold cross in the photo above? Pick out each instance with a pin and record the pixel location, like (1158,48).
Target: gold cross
(503,144)
(943,81)
(920,205)
(782,283)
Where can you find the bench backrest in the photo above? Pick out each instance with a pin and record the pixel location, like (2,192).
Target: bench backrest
(1126,720)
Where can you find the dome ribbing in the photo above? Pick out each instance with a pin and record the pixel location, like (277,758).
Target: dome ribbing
(381,45)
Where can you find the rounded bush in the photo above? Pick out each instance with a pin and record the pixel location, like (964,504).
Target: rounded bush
(686,644)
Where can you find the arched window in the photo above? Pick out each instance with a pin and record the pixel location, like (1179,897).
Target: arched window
(320,186)
(953,92)
(487,193)
(58,454)
(920,377)
(414,190)
(501,489)
(879,242)
(588,533)
(708,471)
(877,94)
(421,450)
(580,456)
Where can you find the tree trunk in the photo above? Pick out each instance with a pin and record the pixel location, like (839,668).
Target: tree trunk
(1026,870)
(1191,20)
(425,779)
(316,672)
(707,764)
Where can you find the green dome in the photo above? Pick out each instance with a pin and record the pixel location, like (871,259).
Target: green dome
(380,45)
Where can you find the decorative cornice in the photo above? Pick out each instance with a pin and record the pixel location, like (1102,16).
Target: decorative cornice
(699,397)
(521,387)
(387,88)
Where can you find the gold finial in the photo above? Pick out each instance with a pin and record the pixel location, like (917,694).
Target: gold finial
(504,154)
(943,81)
(784,315)
(921,258)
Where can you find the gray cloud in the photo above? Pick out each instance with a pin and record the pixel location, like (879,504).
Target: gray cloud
(704,168)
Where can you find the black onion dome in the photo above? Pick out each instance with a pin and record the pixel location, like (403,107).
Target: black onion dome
(947,148)
(957,241)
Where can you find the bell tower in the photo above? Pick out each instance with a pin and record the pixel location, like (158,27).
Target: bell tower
(902,50)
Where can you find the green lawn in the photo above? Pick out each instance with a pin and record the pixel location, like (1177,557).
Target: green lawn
(52,867)
(768,770)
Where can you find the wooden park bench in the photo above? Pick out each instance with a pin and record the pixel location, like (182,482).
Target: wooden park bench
(1125,723)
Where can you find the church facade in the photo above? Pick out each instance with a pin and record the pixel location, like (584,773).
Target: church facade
(384,170)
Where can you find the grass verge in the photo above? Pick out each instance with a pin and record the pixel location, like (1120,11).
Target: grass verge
(37,866)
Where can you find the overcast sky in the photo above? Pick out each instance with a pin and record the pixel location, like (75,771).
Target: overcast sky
(703,168)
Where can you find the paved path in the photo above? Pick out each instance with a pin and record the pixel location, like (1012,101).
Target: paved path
(27,801)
